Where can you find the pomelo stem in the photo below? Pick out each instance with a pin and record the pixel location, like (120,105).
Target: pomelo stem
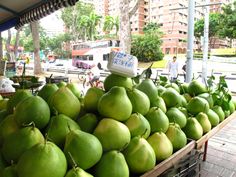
(73,161)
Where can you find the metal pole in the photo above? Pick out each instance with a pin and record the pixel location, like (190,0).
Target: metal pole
(190,39)
(205,43)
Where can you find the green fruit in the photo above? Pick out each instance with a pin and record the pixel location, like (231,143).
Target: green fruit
(148,87)
(7,127)
(139,100)
(85,149)
(157,120)
(77,172)
(74,87)
(61,84)
(160,103)
(171,97)
(213,118)
(197,105)
(32,109)
(3,103)
(234,101)
(161,145)
(174,86)
(219,111)
(195,88)
(91,98)
(3,114)
(19,96)
(117,80)
(138,125)
(63,101)
(207,97)
(139,155)
(183,88)
(115,104)
(112,164)
(202,118)
(160,90)
(193,129)
(231,106)
(2,163)
(184,111)
(176,136)
(20,141)
(112,134)
(227,113)
(183,102)
(42,160)
(59,127)
(187,97)
(9,172)
(88,122)
(47,91)
(176,116)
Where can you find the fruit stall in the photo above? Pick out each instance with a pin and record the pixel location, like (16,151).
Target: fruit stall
(134,126)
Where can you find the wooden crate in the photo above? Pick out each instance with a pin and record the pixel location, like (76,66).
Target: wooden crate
(166,164)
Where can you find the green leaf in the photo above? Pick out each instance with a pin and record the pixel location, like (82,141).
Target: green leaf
(163,78)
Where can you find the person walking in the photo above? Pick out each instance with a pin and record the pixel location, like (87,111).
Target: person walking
(184,71)
(173,69)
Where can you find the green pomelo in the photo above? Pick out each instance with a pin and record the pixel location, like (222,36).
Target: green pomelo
(74,87)
(20,141)
(213,118)
(138,125)
(117,80)
(91,99)
(227,113)
(160,90)
(42,160)
(32,109)
(77,172)
(174,86)
(195,88)
(193,129)
(234,101)
(149,88)
(19,96)
(3,114)
(176,136)
(219,111)
(139,155)
(140,101)
(187,97)
(63,101)
(9,172)
(112,164)
(184,111)
(3,164)
(183,102)
(115,104)
(202,118)
(61,84)
(161,145)
(160,103)
(183,88)
(197,105)
(157,119)
(85,149)
(231,106)
(176,116)
(88,122)
(112,134)
(171,97)
(7,127)
(59,127)
(207,97)
(47,91)
(3,103)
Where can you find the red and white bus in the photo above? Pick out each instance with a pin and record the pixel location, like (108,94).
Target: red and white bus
(88,54)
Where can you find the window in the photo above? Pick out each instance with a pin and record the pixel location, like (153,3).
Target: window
(136,29)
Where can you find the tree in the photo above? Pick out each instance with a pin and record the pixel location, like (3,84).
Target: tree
(110,23)
(8,43)
(214,27)
(94,20)
(125,30)
(1,48)
(228,22)
(151,27)
(35,35)
(147,47)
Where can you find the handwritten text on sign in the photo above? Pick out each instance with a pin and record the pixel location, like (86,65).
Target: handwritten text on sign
(123,60)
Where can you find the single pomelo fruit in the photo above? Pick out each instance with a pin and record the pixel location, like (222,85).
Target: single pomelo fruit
(195,88)
(74,87)
(171,97)
(88,122)
(197,105)
(193,129)
(202,118)
(160,103)
(47,91)
(213,118)
(176,116)
(219,111)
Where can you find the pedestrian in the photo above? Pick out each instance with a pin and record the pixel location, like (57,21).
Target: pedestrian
(184,71)
(173,69)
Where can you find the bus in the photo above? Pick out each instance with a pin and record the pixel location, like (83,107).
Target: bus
(88,54)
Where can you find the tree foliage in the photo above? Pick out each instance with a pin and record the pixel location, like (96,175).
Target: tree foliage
(146,47)
(110,23)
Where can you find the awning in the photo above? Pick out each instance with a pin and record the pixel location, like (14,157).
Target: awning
(20,12)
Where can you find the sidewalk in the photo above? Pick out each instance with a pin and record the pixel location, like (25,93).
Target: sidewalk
(221,155)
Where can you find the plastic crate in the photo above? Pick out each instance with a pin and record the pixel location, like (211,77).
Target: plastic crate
(57,79)
(188,166)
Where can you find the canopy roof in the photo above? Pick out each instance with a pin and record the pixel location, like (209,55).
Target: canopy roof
(19,12)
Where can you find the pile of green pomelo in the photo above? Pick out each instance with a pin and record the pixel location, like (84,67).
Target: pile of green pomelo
(121,131)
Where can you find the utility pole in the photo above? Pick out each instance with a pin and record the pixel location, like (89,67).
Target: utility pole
(205,42)
(190,40)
